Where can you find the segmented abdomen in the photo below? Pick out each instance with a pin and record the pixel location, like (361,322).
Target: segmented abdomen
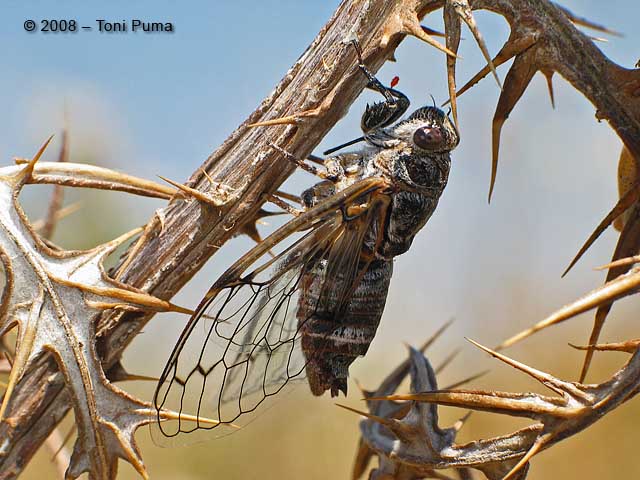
(332,339)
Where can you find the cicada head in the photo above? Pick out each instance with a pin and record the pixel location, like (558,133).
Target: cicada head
(428,130)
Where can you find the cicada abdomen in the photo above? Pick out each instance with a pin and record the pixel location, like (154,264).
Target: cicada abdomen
(333,338)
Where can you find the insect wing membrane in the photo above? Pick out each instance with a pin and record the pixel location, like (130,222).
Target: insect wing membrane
(245,347)
(243,344)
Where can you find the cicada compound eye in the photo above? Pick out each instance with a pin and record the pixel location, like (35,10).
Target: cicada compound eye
(428,138)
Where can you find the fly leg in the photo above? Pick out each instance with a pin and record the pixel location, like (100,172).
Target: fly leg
(315,159)
(380,114)
(331,172)
(315,194)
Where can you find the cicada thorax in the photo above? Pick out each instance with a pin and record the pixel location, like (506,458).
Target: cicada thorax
(410,210)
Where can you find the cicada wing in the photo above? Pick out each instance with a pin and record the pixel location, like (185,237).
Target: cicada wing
(245,348)
(350,256)
(243,344)
(266,345)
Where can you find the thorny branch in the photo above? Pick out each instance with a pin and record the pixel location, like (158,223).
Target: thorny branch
(311,98)
(543,40)
(403,431)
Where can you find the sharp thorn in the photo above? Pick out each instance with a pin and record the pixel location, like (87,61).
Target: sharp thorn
(375,418)
(544,378)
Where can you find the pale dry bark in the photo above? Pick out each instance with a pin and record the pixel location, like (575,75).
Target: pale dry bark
(316,93)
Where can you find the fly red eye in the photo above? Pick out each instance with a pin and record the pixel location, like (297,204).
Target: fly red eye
(428,138)
(395,81)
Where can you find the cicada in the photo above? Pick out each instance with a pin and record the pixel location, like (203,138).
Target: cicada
(313,307)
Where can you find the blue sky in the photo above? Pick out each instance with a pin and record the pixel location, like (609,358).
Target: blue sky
(170,99)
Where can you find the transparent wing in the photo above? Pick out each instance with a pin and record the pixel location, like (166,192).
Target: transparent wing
(243,345)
